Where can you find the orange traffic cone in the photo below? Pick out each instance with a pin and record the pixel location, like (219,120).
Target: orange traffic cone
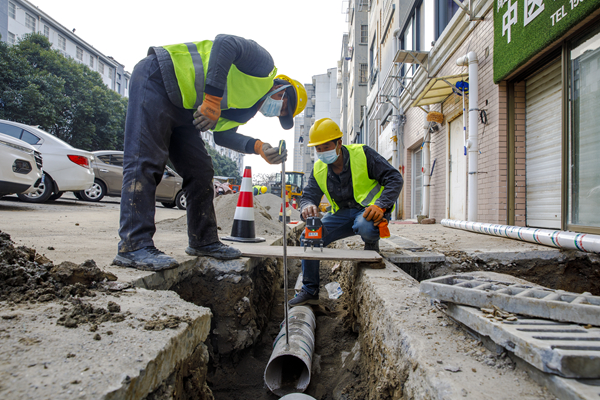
(288,210)
(243,220)
(294,203)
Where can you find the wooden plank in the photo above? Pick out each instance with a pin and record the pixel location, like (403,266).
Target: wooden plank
(296,252)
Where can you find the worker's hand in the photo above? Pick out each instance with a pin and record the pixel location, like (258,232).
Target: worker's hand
(310,211)
(269,153)
(207,115)
(374,213)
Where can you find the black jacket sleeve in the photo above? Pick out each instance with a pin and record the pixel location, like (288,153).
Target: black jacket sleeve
(247,55)
(235,141)
(382,171)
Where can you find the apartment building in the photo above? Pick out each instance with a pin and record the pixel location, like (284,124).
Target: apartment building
(20,17)
(515,84)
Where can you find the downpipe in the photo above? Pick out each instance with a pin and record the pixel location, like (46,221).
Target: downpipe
(288,369)
(547,237)
(472,143)
(426,164)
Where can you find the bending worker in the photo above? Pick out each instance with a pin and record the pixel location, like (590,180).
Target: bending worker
(176,91)
(361,187)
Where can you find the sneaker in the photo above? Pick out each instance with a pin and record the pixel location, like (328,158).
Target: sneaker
(216,250)
(304,298)
(372,246)
(146,259)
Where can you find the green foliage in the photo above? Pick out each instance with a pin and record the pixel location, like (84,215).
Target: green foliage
(224,166)
(39,86)
(528,40)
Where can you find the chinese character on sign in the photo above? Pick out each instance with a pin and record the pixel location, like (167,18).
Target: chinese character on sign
(501,4)
(533,8)
(509,18)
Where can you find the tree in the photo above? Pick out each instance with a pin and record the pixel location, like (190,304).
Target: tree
(38,86)
(224,166)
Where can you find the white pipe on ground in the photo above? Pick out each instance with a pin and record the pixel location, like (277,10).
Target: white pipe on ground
(288,370)
(472,144)
(426,165)
(548,237)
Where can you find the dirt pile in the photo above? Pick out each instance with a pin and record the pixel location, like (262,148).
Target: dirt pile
(83,313)
(272,204)
(28,276)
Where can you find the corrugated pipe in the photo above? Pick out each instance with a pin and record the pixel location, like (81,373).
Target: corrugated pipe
(288,370)
(548,237)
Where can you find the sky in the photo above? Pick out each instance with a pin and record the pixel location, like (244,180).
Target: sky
(303,36)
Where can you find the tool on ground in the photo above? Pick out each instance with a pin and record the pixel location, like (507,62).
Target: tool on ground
(285,272)
(313,233)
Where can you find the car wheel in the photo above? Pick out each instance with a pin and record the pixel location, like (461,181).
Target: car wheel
(56,196)
(77,195)
(95,193)
(42,193)
(180,200)
(168,205)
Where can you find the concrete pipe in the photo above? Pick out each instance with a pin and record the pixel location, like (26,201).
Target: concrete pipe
(288,370)
(547,237)
(297,396)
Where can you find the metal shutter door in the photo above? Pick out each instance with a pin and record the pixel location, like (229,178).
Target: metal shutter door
(543,148)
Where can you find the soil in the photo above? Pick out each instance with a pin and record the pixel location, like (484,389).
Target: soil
(272,204)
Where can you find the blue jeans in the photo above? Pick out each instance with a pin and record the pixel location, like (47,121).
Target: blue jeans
(344,223)
(157,130)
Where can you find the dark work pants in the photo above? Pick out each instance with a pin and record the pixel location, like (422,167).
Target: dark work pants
(156,130)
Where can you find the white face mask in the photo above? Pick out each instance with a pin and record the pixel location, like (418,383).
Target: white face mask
(329,156)
(271,107)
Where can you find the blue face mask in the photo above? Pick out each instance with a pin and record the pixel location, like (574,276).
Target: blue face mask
(328,157)
(272,107)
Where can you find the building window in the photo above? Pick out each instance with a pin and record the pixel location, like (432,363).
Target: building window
(364,32)
(79,54)
(12,10)
(101,68)
(362,77)
(30,22)
(62,43)
(46,31)
(118,76)
(126,83)
(110,73)
(11,38)
(91,61)
(445,10)
(118,88)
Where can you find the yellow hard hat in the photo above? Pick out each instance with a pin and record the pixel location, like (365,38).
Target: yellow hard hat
(263,189)
(323,131)
(298,101)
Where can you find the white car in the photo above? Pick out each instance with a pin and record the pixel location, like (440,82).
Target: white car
(66,169)
(20,166)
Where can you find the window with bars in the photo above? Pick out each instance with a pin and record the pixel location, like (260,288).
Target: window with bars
(364,32)
(46,31)
(362,76)
(30,22)
(12,10)
(101,68)
(11,38)
(110,73)
(91,61)
(79,54)
(62,43)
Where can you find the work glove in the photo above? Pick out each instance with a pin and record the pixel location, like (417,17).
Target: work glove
(270,154)
(384,231)
(207,115)
(310,211)
(374,213)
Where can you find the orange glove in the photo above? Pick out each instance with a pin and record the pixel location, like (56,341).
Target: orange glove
(374,213)
(208,113)
(384,232)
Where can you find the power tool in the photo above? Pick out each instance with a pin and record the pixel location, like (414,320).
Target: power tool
(313,233)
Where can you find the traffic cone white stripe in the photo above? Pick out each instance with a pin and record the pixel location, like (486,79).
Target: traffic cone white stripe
(242,229)
(246,185)
(244,214)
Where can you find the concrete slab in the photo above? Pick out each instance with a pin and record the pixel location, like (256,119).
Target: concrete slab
(567,350)
(40,359)
(535,301)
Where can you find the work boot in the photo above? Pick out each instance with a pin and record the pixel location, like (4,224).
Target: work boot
(304,298)
(372,246)
(146,259)
(216,250)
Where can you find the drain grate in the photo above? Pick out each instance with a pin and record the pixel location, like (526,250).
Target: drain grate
(535,301)
(567,350)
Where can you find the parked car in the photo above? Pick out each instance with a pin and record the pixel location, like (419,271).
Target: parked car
(65,167)
(20,166)
(108,170)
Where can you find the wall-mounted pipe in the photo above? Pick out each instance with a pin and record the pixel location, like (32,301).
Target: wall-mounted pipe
(288,370)
(547,237)
(472,144)
(426,152)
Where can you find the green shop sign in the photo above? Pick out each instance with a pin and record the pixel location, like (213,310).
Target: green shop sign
(522,28)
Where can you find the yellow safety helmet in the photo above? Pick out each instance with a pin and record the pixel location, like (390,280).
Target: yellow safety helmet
(263,189)
(298,101)
(323,131)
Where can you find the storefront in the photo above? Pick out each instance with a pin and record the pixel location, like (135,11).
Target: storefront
(548,53)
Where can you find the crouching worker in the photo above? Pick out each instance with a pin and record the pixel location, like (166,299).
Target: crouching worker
(361,187)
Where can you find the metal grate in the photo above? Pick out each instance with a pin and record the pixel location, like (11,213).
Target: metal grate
(535,301)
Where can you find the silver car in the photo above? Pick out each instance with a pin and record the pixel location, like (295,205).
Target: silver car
(108,167)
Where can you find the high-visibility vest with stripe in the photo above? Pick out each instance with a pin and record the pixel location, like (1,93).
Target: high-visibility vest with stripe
(190,62)
(366,190)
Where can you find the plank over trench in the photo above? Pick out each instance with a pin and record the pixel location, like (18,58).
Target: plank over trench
(296,252)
